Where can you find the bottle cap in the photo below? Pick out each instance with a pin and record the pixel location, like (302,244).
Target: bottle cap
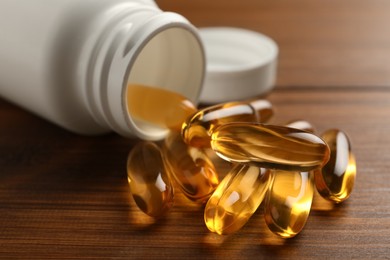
(241,64)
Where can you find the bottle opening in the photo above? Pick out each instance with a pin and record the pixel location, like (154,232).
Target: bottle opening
(172,60)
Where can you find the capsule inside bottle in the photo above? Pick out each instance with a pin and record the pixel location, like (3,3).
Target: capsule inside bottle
(148,179)
(288,202)
(336,179)
(158,107)
(191,168)
(196,130)
(269,146)
(236,199)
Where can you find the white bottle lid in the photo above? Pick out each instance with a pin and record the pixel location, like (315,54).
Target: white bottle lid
(241,64)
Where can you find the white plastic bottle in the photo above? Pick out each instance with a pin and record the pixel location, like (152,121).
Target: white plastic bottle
(70,61)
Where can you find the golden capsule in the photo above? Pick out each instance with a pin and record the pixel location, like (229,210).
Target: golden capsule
(197,129)
(158,107)
(279,217)
(236,199)
(288,202)
(148,179)
(270,146)
(192,170)
(301,124)
(336,179)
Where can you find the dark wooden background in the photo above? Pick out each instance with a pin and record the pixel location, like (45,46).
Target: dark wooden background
(66,196)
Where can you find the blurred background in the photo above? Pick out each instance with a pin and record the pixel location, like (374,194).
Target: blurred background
(322,43)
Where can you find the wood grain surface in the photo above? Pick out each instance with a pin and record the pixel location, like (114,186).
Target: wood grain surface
(66,196)
(322,43)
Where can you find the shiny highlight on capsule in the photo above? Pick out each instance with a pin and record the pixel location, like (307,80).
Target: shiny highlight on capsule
(196,130)
(191,168)
(269,146)
(301,124)
(236,199)
(288,202)
(148,178)
(335,181)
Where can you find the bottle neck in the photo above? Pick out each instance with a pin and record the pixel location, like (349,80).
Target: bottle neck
(141,44)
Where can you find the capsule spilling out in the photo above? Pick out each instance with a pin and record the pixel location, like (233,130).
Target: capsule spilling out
(158,107)
(270,146)
(148,179)
(196,130)
(288,202)
(192,170)
(336,179)
(236,199)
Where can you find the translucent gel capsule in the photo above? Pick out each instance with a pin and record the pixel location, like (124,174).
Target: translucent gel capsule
(270,146)
(197,129)
(236,199)
(288,202)
(158,107)
(148,179)
(336,179)
(301,124)
(193,171)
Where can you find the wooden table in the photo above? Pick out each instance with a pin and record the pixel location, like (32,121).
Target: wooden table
(66,196)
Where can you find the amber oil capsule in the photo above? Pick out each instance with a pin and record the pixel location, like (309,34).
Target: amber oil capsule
(336,179)
(158,107)
(191,168)
(280,218)
(196,130)
(236,199)
(148,179)
(301,124)
(288,202)
(269,146)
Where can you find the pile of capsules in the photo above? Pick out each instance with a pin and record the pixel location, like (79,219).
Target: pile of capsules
(279,166)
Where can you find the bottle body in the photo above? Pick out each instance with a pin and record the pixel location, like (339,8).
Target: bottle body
(71,62)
